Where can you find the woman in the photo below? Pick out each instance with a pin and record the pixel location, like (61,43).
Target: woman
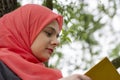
(28,37)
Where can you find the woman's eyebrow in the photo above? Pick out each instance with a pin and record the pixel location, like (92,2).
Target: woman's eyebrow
(51,28)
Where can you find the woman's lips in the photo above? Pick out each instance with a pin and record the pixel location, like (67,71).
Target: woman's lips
(50,50)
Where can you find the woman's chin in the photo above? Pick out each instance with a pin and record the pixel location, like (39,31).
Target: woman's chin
(44,59)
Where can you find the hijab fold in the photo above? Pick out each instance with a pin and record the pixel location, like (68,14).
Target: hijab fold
(18,30)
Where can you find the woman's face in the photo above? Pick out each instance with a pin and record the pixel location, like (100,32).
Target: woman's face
(46,41)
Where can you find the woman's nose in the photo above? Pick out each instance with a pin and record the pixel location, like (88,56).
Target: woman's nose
(55,42)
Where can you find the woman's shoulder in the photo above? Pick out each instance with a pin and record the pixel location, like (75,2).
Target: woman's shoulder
(6,73)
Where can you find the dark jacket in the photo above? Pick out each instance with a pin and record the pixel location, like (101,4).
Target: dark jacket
(6,73)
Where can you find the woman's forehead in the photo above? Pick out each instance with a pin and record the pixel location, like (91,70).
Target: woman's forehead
(53,25)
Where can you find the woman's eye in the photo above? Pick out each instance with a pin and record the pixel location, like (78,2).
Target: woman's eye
(48,33)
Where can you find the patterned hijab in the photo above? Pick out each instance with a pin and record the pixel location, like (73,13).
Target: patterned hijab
(18,30)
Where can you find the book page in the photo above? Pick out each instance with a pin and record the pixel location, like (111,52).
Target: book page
(104,70)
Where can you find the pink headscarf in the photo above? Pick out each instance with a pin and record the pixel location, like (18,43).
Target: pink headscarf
(18,30)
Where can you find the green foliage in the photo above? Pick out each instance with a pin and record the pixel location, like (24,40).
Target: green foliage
(115,51)
(107,10)
(48,4)
(59,55)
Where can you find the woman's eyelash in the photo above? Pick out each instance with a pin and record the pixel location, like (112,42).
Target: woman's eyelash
(48,33)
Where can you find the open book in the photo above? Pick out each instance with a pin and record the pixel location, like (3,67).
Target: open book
(104,70)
